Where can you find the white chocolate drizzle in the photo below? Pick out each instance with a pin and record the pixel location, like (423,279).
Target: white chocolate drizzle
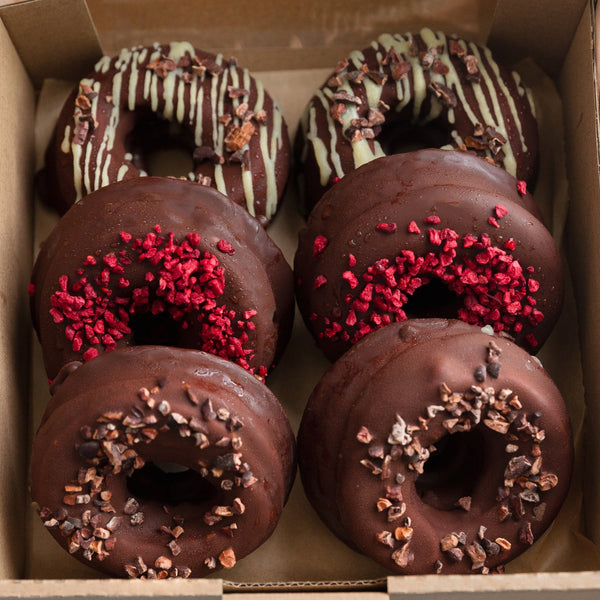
(490,102)
(133,87)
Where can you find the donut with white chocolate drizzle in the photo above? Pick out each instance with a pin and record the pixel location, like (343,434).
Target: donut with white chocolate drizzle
(432,446)
(233,130)
(156,462)
(427,89)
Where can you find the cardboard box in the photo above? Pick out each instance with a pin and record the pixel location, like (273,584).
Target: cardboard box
(291,47)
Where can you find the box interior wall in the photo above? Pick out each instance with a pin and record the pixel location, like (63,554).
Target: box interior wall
(305,36)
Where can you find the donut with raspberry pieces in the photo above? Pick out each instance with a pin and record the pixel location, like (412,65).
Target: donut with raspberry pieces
(427,233)
(161,261)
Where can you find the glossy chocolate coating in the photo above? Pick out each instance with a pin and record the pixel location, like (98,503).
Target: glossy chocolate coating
(165,392)
(398,370)
(461,190)
(135,95)
(415,90)
(257,277)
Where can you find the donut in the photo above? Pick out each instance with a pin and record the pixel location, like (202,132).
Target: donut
(157,462)
(161,261)
(428,233)
(415,90)
(431,446)
(149,98)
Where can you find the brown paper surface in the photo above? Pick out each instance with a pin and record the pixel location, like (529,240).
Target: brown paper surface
(302,549)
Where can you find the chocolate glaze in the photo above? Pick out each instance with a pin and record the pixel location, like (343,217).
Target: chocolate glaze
(149,390)
(256,275)
(397,71)
(127,95)
(463,191)
(398,370)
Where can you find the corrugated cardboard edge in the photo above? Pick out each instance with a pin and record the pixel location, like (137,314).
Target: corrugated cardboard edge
(584,251)
(295,586)
(17,103)
(45,44)
(309,595)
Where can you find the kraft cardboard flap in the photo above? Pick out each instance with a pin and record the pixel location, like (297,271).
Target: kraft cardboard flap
(16,175)
(508,587)
(581,120)
(113,589)
(543,31)
(45,32)
(291,35)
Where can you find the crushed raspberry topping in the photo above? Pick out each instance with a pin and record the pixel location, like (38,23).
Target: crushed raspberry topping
(386,227)
(320,280)
(319,245)
(225,247)
(413,227)
(185,283)
(500,210)
(492,286)
(522,187)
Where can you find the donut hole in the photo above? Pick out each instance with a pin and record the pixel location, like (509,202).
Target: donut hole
(159,330)
(432,299)
(452,471)
(160,147)
(171,484)
(398,137)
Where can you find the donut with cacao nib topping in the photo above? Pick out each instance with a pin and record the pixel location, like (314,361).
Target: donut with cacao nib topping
(166,262)
(432,446)
(415,90)
(428,233)
(150,98)
(155,462)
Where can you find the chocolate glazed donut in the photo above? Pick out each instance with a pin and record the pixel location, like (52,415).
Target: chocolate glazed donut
(98,474)
(415,90)
(161,261)
(431,446)
(428,233)
(130,105)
